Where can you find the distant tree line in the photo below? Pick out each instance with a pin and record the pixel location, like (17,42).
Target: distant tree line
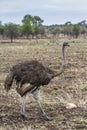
(69,29)
(32,27)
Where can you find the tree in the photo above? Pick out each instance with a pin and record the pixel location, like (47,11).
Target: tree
(11,30)
(27,25)
(37,23)
(55,30)
(0,23)
(41,30)
(82,23)
(2,30)
(67,28)
(83,31)
(31,25)
(76,30)
(68,23)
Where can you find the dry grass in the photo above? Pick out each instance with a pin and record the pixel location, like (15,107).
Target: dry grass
(71,87)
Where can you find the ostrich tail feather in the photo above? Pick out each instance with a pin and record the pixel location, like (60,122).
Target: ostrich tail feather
(9,81)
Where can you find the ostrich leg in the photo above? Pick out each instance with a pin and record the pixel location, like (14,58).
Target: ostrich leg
(23,113)
(23,105)
(35,95)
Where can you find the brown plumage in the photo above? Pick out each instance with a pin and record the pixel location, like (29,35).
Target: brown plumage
(34,73)
(31,72)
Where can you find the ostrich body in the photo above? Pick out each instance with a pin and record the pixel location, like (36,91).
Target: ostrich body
(36,75)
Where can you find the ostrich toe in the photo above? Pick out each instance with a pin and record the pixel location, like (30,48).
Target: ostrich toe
(47,118)
(27,117)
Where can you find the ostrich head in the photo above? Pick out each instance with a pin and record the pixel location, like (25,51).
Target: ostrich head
(65,44)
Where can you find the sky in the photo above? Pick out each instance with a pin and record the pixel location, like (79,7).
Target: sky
(51,11)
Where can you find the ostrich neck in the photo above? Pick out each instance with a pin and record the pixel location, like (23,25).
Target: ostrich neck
(63,55)
(57,73)
(64,64)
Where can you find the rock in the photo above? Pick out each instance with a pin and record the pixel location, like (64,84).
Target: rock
(70,105)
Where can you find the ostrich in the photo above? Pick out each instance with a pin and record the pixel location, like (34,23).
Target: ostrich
(36,75)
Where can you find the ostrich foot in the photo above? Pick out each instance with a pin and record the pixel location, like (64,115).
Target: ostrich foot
(47,118)
(26,117)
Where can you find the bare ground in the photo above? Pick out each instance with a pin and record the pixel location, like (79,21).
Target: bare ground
(70,87)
